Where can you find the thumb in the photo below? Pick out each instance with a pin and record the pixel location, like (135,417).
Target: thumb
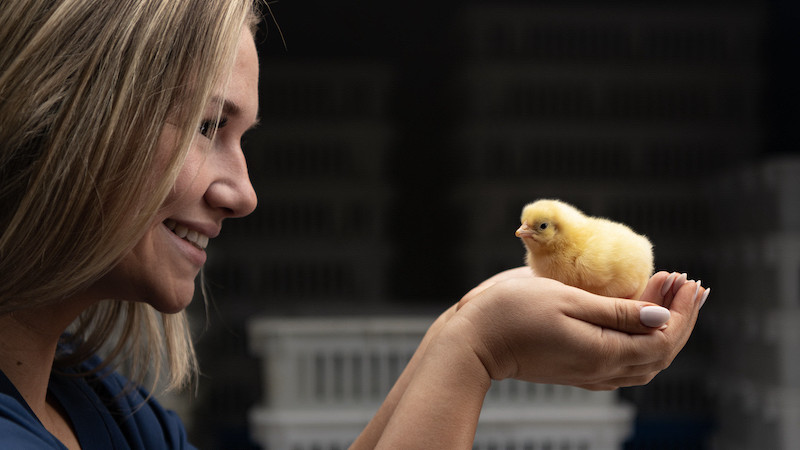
(629,316)
(653,316)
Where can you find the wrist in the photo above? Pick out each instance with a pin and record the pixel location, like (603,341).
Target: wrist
(441,406)
(457,344)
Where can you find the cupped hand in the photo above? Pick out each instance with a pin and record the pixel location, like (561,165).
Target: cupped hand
(539,330)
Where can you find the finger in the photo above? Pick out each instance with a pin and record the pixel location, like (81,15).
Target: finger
(704,297)
(649,354)
(656,287)
(653,352)
(474,292)
(659,289)
(634,375)
(631,316)
(614,383)
(627,316)
(597,387)
(684,310)
(670,293)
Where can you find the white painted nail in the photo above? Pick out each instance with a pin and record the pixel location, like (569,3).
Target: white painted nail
(668,283)
(679,282)
(654,316)
(697,290)
(705,297)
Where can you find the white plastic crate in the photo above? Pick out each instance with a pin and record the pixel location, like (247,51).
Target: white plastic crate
(756,335)
(324,378)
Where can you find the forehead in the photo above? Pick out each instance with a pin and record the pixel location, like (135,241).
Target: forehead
(241,94)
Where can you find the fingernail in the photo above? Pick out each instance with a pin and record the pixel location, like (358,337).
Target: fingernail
(679,282)
(653,316)
(705,297)
(697,290)
(668,283)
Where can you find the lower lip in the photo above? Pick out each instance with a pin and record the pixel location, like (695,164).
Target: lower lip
(196,255)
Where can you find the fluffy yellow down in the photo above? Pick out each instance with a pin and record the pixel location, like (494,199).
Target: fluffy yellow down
(591,253)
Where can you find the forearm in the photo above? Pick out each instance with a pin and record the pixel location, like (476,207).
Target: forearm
(442,401)
(369,438)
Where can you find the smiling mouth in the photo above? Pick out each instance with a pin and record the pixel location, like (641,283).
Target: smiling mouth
(191,236)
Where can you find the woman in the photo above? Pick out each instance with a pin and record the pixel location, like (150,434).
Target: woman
(120,125)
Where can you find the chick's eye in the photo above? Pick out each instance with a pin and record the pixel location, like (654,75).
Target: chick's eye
(543,226)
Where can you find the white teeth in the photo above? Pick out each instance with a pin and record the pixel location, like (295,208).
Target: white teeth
(198,239)
(181,231)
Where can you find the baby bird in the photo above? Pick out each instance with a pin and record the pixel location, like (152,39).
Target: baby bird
(591,253)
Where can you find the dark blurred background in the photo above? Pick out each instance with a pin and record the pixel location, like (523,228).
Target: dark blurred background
(400,140)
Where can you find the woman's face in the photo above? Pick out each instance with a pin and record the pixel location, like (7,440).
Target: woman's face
(212,185)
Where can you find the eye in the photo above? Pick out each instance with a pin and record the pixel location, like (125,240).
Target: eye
(210,126)
(543,226)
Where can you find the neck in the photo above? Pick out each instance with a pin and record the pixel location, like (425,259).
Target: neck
(28,341)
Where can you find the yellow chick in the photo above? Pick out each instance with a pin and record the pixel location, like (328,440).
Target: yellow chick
(590,253)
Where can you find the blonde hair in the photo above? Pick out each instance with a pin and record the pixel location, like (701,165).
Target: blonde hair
(85,89)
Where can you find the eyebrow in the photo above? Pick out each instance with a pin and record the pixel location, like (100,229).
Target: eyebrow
(230,108)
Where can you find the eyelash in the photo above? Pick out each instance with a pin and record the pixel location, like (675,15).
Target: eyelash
(209,126)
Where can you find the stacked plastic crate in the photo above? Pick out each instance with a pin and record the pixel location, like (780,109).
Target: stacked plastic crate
(325,378)
(756,339)
(623,111)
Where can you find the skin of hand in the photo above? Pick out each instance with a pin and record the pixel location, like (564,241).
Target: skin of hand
(531,328)
(587,340)
(592,253)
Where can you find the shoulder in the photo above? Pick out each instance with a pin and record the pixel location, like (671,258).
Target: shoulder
(141,418)
(140,415)
(20,429)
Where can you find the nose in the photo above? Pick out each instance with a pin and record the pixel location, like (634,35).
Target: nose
(231,191)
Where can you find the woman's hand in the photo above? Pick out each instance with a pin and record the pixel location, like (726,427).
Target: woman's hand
(539,330)
(517,325)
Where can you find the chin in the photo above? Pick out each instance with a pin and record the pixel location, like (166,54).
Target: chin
(170,309)
(174,303)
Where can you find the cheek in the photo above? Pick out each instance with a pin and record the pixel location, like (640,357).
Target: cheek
(189,182)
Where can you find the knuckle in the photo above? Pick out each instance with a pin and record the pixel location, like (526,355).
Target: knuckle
(664,358)
(646,379)
(622,314)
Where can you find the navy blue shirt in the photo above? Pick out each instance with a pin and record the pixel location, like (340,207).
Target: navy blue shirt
(104,414)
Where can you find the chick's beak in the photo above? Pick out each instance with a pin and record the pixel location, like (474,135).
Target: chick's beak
(524,230)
